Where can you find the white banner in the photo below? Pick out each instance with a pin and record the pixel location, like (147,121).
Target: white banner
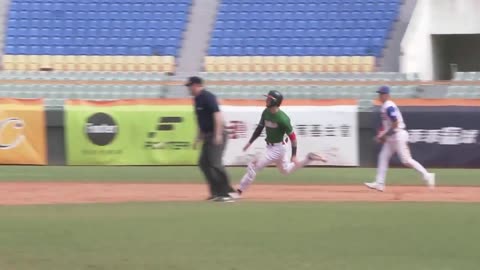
(331,131)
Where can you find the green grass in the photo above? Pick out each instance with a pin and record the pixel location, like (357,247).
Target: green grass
(193,175)
(361,236)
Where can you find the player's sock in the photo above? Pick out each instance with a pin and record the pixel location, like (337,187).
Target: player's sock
(418,167)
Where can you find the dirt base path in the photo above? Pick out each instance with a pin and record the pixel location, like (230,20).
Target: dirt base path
(61,193)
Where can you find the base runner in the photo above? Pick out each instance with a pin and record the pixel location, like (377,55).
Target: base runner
(394,138)
(277,124)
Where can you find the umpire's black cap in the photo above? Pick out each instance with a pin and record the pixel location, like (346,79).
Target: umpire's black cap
(194,80)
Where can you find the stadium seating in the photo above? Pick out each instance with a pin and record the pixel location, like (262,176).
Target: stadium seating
(81,76)
(300,35)
(365,92)
(55,95)
(464,91)
(307,76)
(130,35)
(467,76)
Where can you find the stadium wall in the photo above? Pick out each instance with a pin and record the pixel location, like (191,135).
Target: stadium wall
(435,17)
(443,133)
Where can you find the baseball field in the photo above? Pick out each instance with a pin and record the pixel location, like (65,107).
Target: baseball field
(127,218)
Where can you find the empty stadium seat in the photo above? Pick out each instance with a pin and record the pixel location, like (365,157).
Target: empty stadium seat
(296,28)
(96,28)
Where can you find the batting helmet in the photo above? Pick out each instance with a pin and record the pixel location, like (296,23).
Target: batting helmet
(274,98)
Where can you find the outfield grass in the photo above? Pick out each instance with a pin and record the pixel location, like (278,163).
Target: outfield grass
(193,175)
(241,236)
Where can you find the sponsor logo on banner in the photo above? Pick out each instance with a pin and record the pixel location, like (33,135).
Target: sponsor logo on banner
(129,132)
(332,132)
(329,130)
(22,132)
(444,136)
(15,140)
(101,129)
(165,124)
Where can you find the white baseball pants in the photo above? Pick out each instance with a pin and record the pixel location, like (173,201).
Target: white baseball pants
(397,143)
(275,154)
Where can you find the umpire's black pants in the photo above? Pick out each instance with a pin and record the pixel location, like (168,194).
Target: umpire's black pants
(212,166)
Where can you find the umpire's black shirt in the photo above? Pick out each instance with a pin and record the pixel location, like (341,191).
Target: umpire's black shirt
(205,106)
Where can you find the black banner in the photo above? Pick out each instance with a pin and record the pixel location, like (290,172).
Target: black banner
(443,136)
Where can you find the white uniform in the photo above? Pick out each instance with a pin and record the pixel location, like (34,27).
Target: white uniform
(395,143)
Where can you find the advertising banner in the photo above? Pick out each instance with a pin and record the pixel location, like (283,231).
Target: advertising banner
(130,132)
(161,132)
(442,135)
(22,132)
(330,130)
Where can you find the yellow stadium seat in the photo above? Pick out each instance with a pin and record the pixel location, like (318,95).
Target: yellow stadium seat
(356,64)
(170,62)
(209,64)
(126,63)
(281,64)
(256,64)
(81,63)
(122,62)
(306,64)
(137,63)
(268,64)
(293,64)
(70,62)
(105,63)
(46,61)
(115,63)
(20,62)
(343,64)
(92,62)
(367,63)
(8,62)
(148,63)
(58,62)
(32,62)
(221,64)
(319,64)
(244,63)
(232,63)
(154,63)
(130,63)
(331,63)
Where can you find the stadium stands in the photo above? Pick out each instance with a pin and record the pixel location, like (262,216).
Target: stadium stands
(130,35)
(464,91)
(361,92)
(308,76)
(300,35)
(81,76)
(467,76)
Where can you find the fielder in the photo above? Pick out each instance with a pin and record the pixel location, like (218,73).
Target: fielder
(277,124)
(394,138)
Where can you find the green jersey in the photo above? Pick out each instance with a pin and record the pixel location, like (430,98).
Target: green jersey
(277,125)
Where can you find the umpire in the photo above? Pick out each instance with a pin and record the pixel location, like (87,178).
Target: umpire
(211,131)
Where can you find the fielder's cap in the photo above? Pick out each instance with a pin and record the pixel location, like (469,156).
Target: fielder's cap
(194,80)
(384,90)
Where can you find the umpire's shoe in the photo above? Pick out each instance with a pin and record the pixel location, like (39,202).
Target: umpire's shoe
(223,199)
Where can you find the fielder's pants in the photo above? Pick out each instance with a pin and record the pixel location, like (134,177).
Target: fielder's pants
(212,166)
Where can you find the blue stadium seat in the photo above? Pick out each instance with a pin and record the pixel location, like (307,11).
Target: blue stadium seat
(52,24)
